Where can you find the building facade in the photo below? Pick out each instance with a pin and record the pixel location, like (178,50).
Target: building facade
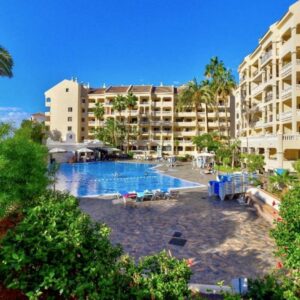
(158,122)
(268,96)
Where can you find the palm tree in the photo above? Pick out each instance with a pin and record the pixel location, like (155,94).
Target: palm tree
(119,104)
(193,96)
(222,84)
(99,111)
(131,101)
(282,181)
(227,85)
(214,72)
(6,63)
(207,99)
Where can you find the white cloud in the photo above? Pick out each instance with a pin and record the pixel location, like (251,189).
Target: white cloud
(14,115)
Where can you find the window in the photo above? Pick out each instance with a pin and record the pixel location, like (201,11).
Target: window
(67,90)
(69,119)
(48,100)
(83,110)
(82,119)
(82,100)
(70,109)
(69,128)
(82,128)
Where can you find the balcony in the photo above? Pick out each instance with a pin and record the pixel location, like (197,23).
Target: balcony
(286,69)
(191,133)
(257,90)
(269,97)
(255,73)
(285,116)
(259,123)
(286,48)
(286,93)
(266,57)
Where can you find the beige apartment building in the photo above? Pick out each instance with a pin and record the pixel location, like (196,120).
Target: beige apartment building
(158,123)
(268,96)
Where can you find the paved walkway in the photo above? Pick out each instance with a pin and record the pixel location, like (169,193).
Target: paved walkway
(225,239)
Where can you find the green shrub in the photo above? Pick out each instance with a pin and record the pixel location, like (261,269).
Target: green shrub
(181,158)
(161,276)
(58,250)
(130,155)
(23,172)
(267,287)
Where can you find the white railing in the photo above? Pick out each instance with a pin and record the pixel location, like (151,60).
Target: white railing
(291,137)
(286,66)
(285,115)
(269,97)
(266,56)
(255,73)
(298,61)
(286,92)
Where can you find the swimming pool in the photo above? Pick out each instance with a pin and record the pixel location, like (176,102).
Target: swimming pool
(99,178)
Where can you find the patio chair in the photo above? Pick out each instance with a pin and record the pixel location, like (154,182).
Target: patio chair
(171,194)
(148,196)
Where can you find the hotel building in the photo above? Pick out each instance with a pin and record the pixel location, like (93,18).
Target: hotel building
(158,123)
(268,97)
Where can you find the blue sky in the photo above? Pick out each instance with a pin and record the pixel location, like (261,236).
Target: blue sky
(122,42)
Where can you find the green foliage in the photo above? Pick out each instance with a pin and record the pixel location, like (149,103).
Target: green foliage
(280,182)
(34,130)
(112,133)
(181,158)
(23,172)
(267,287)
(254,162)
(208,141)
(5,130)
(58,249)
(99,110)
(6,63)
(59,252)
(160,276)
(119,103)
(130,155)
(287,234)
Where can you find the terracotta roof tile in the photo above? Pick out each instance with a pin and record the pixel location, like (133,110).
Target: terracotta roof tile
(163,89)
(117,89)
(97,91)
(141,88)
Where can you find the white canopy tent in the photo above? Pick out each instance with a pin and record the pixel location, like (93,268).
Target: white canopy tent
(203,159)
(84,150)
(57,150)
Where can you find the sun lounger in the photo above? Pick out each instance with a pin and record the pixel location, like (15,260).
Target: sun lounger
(171,194)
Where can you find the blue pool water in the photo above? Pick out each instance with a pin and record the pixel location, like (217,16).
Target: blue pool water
(87,179)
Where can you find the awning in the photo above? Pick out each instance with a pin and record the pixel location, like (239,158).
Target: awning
(57,150)
(85,150)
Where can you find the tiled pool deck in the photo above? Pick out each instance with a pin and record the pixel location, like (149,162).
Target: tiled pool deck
(225,239)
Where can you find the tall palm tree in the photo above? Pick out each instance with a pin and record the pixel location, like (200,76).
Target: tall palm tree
(119,104)
(6,63)
(206,99)
(131,101)
(193,96)
(212,71)
(99,111)
(223,83)
(227,85)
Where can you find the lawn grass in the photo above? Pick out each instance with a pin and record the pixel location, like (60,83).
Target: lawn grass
(227,169)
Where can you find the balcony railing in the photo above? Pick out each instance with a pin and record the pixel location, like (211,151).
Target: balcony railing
(286,92)
(266,56)
(269,97)
(286,115)
(255,73)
